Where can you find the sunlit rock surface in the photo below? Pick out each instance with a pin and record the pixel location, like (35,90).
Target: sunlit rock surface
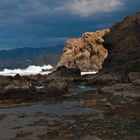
(86,53)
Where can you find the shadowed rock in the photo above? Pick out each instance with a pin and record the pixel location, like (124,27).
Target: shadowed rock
(11,88)
(56,88)
(123,45)
(63,72)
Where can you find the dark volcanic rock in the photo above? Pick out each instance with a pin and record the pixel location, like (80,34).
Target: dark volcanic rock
(11,88)
(17,77)
(120,76)
(121,72)
(63,72)
(124,37)
(121,92)
(102,79)
(134,78)
(123,45)
(56,88)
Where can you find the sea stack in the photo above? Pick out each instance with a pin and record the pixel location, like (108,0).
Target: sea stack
(86,53)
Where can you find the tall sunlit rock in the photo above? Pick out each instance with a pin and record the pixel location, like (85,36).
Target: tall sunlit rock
(86,53)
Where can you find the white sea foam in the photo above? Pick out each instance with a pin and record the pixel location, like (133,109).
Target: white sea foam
(90,72)
(31,70)
(34,70)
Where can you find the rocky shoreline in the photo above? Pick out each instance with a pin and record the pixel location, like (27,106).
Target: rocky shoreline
(121,68)
(114,102)
(99,112)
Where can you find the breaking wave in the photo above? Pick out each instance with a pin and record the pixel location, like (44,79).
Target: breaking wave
(34,70)
(31,70)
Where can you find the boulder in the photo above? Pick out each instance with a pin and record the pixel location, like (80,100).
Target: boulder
(86,53)
(20,87)
(17,77)
(11,88)
(134,78)
(63,72)
(56,88)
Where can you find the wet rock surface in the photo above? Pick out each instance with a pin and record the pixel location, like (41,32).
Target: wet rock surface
(12,87)
(87,115)
(123,44)
(65,73)
(56,88)
(122,93)
(73,111)
(134,78)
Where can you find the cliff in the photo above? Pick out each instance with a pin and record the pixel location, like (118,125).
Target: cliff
(123,62)
(124,37)
(120,45)
(123,45)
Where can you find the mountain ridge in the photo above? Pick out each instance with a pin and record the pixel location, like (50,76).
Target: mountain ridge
(23,57)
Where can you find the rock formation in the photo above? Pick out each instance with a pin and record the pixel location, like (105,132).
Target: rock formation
(86,53)
(56,88)
(63,72)
(120,76)
(123,44)
(11,87)
(120,73)
(124,37)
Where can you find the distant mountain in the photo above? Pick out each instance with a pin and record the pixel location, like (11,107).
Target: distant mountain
(23,57)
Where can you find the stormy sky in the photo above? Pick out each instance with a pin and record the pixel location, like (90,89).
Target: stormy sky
(44,23)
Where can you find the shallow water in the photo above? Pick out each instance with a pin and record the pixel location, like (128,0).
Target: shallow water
(81,89)
(74,118)
(24,117)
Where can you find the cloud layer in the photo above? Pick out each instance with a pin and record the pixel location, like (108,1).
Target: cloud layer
(42,23)
(19,10)
(90,7)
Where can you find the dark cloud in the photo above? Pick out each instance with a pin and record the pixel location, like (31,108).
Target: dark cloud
(42,23)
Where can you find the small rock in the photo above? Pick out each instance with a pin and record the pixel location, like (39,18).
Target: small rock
(56,88)
(115,133)
(22,115)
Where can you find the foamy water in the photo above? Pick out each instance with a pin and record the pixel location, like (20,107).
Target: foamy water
(34,70)
(31,70)
(91,72)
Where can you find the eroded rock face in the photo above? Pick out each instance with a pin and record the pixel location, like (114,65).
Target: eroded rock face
(124,37)
(123,62)
(123,44)
(86,53)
